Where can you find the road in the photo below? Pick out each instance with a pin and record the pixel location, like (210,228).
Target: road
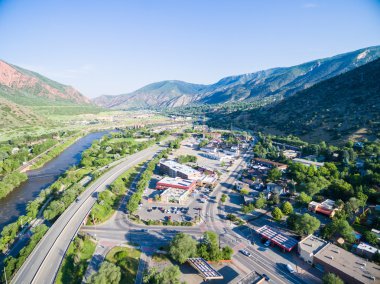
(43,263)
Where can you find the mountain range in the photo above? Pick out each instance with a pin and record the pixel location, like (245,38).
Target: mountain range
(344,107)
(276,83)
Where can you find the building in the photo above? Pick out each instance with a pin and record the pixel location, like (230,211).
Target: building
(209,149)
(174,169)
(274,188)
(234,152)
(277,238)
(208,181)
(365,250)
(349,267)
(242,186)
(271,164)
(326,207)
(309,246)
(204,268)
(175,195)
(178,183)
(308,162)
(290,154)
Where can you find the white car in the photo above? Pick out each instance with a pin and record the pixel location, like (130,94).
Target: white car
(290,268)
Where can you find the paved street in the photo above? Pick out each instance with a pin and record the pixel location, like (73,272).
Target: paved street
(43,263)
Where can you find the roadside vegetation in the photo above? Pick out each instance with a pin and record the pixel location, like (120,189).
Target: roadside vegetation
(127,259)
(76,260)
(53,201)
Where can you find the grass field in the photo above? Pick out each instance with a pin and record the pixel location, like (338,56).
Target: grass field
(128,261)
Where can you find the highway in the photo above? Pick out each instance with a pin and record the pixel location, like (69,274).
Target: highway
(43,263)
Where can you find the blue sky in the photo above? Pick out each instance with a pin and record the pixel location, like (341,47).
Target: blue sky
(113,47)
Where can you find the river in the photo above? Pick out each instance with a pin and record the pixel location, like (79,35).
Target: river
(14,204)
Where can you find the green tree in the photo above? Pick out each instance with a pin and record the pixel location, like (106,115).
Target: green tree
(169,275)
(108,273)
(287,208)
(331,278)
(371,237)
(223,199)
(303,198)
(274,174)
(182,247)
(277,214)
(260,202)
(244,191)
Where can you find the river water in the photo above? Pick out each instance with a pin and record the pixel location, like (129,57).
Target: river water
(14,205)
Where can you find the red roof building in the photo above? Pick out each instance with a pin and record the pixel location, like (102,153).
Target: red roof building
(179,183)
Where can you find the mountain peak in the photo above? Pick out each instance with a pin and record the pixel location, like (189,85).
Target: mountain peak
(16,81)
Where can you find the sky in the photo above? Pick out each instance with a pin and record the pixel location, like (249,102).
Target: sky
(114,47)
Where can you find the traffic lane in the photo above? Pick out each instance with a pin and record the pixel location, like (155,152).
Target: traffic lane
(56,254)
(29,269)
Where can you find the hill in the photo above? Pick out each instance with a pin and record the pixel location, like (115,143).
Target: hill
(342,107)
(276,83)
(160,94)
(28,88)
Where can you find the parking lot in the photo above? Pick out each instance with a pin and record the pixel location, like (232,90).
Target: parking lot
(152,208)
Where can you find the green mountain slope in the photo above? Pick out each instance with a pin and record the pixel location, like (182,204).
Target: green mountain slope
(28,88)
(276,83)
(345,106)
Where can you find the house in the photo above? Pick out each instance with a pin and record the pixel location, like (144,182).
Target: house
(242,185)
(327,207)
(309,246)
(271,164)
(365,250)
(274,188)
(349,267)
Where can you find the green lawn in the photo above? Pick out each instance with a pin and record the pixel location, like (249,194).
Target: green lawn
(128,261)
(75,262)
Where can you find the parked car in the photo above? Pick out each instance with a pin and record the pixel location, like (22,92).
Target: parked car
(290,268)
(246,253)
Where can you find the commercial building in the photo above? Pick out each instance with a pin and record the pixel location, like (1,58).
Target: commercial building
(271,164)
(174,169)
(209,149)
(308,162)
(178,183)
(349,267)
(326,207)
(277,238)
(309,246)
(175,195)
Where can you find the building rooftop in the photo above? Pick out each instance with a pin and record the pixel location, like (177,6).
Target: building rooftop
(366,247)
(308,162)
(179,167)
(174,193)
(204,269)
(176,181)
(349,264)
(277,238)
(312,244)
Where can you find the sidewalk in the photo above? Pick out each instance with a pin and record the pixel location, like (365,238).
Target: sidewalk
(143,264)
